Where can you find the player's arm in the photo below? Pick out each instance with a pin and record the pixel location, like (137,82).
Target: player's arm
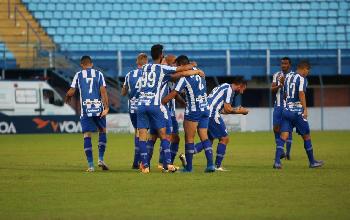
(186,67)
(178,75)
(169,97)
(69,95)
(125,90)
(105,101)
(303,103)
(228,109)
(274,85)
(179,99)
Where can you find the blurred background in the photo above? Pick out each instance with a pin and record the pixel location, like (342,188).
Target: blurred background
(41,42)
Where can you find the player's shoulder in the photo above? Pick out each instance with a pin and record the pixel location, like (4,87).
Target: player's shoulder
(225,85)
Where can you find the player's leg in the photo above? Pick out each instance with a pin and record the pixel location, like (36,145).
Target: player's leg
(143,125)
(190,128)
(102,140)
(175,138)
(302,127)
(276,121)
(289,144)
(136,162)
(152,139)
(202,129)
(217,129)
(87,127)
(286,127)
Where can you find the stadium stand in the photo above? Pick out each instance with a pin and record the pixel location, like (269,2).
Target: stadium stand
(7,59)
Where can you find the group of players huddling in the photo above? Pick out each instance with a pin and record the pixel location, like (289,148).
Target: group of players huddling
(152,89)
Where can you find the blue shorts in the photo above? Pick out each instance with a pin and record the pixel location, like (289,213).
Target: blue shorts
(202,117)
(293,119)
(277,115)
(175,125)
(91,123)
(168,127)
(216,128)
(133,119)
(150,116)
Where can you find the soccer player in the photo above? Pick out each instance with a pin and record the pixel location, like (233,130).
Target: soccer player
(131,87)
(94,108)
(150,112)
(277,87)
(196,114)
(220,102)
(295,114)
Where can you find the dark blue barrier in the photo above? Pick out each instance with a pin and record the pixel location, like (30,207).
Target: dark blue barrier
(39,124)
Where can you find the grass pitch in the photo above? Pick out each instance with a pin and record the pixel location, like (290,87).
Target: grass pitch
(42,177)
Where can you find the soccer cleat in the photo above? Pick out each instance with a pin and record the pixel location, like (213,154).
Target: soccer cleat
(277,166)
(287,157)
(172,168)
(183,160)
(103,165)
(221,169)
(160,166)
(283,155)
(135,167)
(145,170)
(90,169)
(316,163)
(210,169)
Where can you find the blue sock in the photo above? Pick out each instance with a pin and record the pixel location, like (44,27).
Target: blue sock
(143,153)
(137,152)
(161,155)
(198,147)
(189,151)
(220,153)
(289,142)
(174,147)
(277,136)
(165,145)
(102,141)
(279,150)
(150,147)
(309,150)
(88,151)
(208,149)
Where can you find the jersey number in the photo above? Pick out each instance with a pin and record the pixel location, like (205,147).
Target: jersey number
(90,81)
(291,86)
(149,79)
(200,84)
(138,84)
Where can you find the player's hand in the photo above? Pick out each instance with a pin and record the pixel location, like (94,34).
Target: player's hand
(67,99)
(281,80)
(104,113)
(201,73)
(194,64)
(305,114)
(243,111)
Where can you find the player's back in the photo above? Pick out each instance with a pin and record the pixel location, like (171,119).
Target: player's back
(293,85)
(89,82)
(133,81)
(196,95)
(218,96)
(153,78)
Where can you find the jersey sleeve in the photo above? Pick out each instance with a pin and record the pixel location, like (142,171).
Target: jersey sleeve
(168,69)
(302,84)
(229,95)
(101,80)
(180,85)
(75,81)
(126,81)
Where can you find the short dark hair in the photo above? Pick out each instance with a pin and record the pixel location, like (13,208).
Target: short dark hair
(156,51)
(287,58)
(85,59)
(304,64)
(182,60)
(240,81)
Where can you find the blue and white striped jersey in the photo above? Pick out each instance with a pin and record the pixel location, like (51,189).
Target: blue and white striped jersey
(294,84)
(166,89)
(196,95)
(154,76)
(280,92)
(220,95)
(133,82)
(89,82)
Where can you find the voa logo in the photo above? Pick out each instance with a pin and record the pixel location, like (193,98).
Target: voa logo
(7,128)
(70,126)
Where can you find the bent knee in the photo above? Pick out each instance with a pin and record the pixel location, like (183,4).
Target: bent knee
(225,140)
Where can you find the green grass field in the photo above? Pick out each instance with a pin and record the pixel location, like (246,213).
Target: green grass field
(42,177)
